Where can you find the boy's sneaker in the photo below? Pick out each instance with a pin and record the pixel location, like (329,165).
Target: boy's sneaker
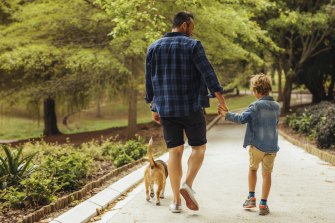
(263,210)
(250,203)
(188,193)
(175,208)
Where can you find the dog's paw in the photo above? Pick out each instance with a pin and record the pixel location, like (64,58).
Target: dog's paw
(162,196)
(152,194)
(158,203)
(148,198)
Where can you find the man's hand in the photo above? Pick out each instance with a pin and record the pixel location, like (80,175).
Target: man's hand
(222,110)
(156,118)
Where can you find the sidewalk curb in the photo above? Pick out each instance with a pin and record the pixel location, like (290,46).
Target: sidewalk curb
(310,148)
(88,209)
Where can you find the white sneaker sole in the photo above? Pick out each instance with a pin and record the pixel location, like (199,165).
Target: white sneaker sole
(191,203)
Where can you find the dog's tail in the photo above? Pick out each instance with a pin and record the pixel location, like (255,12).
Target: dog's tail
(151,159)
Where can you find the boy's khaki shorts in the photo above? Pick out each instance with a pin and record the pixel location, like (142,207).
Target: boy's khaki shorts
(256,156)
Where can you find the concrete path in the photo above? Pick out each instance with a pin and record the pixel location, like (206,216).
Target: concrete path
(303,187)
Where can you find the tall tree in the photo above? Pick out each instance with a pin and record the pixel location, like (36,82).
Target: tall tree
(50,52)
(225,28)
(300,28)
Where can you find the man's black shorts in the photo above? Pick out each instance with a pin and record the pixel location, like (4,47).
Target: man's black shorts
(194,126)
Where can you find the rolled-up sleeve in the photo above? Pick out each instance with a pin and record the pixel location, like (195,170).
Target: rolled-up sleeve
(205,68)
(148,82)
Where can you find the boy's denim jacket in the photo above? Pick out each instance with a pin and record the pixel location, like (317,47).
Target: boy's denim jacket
(262,118)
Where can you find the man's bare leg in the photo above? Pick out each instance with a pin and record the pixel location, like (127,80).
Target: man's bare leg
(175,171)
(194,163)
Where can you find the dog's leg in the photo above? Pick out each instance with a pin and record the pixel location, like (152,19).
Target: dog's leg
(152,192)
(162,193)
(147,189)
(158,193)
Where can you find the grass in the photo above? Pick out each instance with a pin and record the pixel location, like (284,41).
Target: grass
(114,114)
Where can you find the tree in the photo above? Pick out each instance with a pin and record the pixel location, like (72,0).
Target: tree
(51,52)
(137,23)
(301,29)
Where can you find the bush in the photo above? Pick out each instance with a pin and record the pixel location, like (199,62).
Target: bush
(325,131)
(317,121)
(14,167)
(124,154)
(40,188)
(12,197)
(68,169)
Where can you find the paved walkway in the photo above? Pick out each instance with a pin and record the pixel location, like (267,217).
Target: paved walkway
(303,187)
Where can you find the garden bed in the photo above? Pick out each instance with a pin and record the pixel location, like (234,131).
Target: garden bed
(104,163)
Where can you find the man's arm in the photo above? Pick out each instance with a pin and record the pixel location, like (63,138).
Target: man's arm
(148,83)
(207,72)
(148,87)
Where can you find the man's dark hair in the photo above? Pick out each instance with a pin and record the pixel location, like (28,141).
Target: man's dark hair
(182,17)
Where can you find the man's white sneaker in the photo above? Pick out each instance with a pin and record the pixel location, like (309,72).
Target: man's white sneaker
(188,195)
(175,208)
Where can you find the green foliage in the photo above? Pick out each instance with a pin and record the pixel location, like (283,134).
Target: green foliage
(14,167)
(62,168)
(300,123)
(124,154)
(40,188)
(68,169)
(12,197)
(317,121)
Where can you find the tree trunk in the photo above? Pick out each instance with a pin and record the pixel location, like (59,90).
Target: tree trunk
(98,115)
(280,91)
(132,114)
(50,119)
(287,94)
(330,95)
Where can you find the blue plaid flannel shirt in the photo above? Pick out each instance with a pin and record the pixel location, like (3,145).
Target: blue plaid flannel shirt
(177,76)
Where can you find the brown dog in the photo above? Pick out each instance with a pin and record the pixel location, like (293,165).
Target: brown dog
(156,172)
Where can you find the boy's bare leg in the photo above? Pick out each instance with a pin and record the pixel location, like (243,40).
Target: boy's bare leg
(266,185)
(252,180)
(194,163)
(175,171)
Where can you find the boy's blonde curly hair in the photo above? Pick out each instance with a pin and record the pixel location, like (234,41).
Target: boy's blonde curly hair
(261,84)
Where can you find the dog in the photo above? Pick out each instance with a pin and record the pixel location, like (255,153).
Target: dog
(155,173)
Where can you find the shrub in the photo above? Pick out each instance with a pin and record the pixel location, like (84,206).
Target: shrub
(68,169)
(325,131)
(317,121)
(12,197)
(14,167)
(40,188)
(124,154)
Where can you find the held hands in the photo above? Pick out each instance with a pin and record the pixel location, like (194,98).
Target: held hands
(156,118)
(222,110)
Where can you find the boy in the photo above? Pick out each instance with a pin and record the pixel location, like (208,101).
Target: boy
(261,136)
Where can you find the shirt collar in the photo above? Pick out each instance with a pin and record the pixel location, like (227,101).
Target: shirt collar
(172,34)
(268,98)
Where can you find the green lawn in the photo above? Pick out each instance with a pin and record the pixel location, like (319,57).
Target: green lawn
(113,115)
(232,103)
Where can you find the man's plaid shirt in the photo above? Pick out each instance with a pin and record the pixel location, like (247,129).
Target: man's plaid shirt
(177,76)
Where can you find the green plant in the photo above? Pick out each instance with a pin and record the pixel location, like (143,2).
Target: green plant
(124,154)
(317,122)
(122,159)
(14,167)
(12,197)
(40,188)
(69,169)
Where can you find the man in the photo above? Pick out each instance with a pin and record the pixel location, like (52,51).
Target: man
(177,77)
